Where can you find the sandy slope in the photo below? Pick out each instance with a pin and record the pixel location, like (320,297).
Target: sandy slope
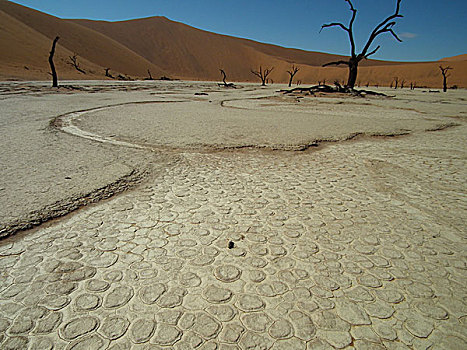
(102,51)
(179,51)
(29,52)
(455,58)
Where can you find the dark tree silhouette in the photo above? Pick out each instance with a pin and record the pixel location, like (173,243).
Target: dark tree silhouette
(73,61)
(444,72)
(263,75)
(224,81)
(150,76)
(51,62)
(396,82)
(292,73)
(385,26)
(107,74)
(224,76)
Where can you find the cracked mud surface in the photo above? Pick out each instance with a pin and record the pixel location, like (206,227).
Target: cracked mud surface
(359,245)
(282,123)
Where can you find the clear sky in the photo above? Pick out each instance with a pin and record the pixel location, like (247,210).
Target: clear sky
(430,29)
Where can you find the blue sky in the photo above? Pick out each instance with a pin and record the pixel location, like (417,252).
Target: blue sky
(430,29)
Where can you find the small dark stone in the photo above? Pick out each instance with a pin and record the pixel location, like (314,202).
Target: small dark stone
(231,245)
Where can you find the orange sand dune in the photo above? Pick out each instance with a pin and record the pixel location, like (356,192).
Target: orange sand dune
(455,58)
(27,53)
(27,31)
(192,53)
(179,51)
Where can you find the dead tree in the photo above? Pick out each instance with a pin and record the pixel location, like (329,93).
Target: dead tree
(51,62)
(444,72)
(150,76)
(224,76)
(263,75)
(292,73)
(73,61)
(330,89)
(402,83)
(224,82)
(385,26)
(339,87)
(396,82)
(107,74)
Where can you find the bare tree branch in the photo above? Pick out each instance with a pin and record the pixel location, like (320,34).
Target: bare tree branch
(73,61)
(334,25)
(395,35)
(348,29)
(259,73)
(445,70)
(292,73)
(354,15)
(388,29)
(372,52)
(224,80)
(263,75)
(446,75)
(293,70)
(224,76)
(384,26)
(336,63)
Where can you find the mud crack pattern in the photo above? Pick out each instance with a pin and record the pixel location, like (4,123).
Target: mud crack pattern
(356,246)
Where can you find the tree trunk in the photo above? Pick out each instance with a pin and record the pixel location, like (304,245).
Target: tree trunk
(445,83)
(224,77)
(51,62)
(353,72)
(107,74)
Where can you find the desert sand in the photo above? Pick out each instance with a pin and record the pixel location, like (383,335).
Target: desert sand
(175,50)
(237,218)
